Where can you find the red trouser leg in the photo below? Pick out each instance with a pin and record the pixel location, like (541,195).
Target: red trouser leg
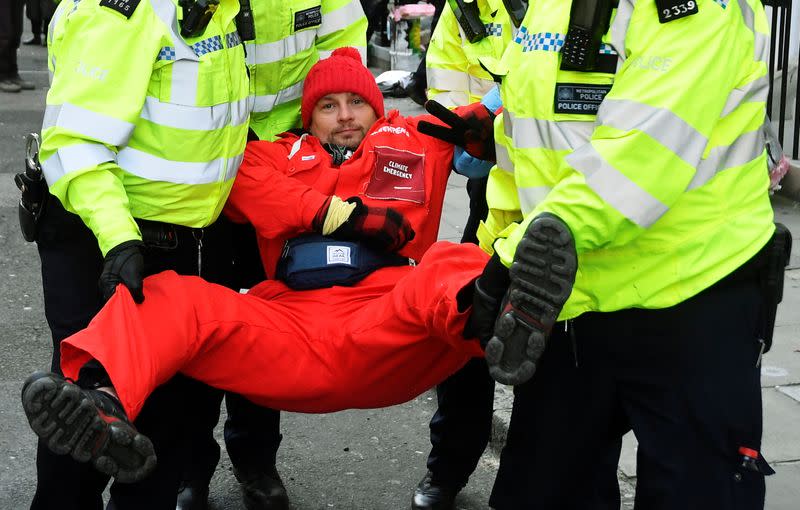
(386,340)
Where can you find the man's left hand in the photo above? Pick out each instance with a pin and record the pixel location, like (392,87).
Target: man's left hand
(382,228)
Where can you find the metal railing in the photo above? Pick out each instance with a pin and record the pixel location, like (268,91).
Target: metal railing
(779,60)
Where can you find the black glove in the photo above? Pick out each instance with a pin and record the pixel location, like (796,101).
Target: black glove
(381,228)
(123,264)
(490,287)
(471,127)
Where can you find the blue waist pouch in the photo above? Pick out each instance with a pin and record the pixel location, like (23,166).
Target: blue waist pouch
(313,261)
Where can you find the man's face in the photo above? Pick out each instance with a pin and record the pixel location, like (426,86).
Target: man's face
(342,118)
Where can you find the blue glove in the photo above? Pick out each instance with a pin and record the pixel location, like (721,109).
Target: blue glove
(491,99)
(468,166)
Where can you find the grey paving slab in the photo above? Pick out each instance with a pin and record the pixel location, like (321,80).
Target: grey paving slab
(781,439)
(783,488)
(790,391)
(781,365)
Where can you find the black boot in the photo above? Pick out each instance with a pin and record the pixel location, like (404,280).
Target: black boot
(542,276)
(88,424)
(432,495)
(192,496)
(262,490)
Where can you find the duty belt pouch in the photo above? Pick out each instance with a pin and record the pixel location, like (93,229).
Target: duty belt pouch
(314,261)
(777,258)
(158,235)
(32,204)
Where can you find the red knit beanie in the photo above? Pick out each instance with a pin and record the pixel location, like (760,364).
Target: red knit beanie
(341,72)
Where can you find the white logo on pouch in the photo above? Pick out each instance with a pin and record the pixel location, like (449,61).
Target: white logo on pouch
(338,254)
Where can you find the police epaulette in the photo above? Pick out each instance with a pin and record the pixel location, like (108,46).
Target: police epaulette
(124,7)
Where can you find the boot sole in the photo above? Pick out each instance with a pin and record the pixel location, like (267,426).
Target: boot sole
(67,420)
(546,254)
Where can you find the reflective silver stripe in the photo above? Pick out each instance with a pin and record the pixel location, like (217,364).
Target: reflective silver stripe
(341,18)
(56,16)
(754,92)
(276,51)
(91,124)
(361,49)
(451,99)
(267,102)
(761,47)
(203,118)
(748,15)
(761,40)
(447,79)
(503,159)
(743,150)
(74,157)
(616,188)
(528,133)
(184,81)
(619,28)
(662,125)
(532,196)
(153,168)
(479,86)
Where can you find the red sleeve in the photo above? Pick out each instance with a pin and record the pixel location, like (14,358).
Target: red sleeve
(263,195)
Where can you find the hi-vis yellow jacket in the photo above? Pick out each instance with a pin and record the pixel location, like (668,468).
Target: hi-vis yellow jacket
(291,36)
(141,123)
(664,186)
(455,75)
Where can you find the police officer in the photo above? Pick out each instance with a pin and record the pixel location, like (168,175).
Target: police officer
(461,427)
(143,133)
(635,132)
(285,41)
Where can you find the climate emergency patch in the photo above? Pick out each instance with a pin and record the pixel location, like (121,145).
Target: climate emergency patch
(124,7)
(579,97)
(308,18)
(397,175)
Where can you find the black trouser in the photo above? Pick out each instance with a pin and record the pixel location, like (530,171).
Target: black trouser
(71,265)
(462,425)
(684,378)
(10,35)
(39,12)
(252,433)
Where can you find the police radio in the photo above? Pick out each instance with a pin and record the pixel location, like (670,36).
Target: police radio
(196,16)
(244,22)
(469,18)
(588,22)
(516,10)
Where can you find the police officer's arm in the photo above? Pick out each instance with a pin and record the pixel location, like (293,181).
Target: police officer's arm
(102,65)
(653,128)
(343,24)
(446,63)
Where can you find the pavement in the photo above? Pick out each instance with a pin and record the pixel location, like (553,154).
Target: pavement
(351,460)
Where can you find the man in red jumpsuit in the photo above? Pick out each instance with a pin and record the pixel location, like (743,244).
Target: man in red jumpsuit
(382,341)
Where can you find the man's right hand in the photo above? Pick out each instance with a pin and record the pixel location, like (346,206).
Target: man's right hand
(123,264)
(381,228)
(470,127)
